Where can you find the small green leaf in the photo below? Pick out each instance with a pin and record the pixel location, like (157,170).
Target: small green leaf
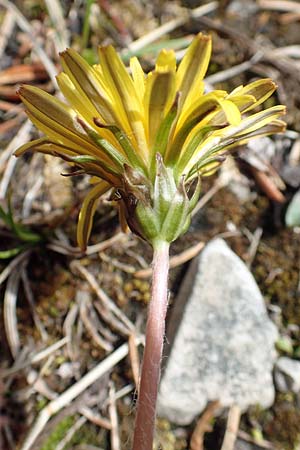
(285,344)
(6,254)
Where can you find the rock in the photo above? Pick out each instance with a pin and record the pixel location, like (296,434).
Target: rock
(287,375)
(223,340)
(292,215)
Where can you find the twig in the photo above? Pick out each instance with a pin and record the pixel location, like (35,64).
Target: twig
(84,305)
(26,27)
(232,427)
(253,246)
(35,358)
(72,347)
(94,418)
(63,249)
(105,244)
(170,26)
(175,261)
(74,391)
(279,5)
(125,390)
(128,268)
(39,385)
(235,70)
(203,426)
(114,432)
(219,184)
(106,301)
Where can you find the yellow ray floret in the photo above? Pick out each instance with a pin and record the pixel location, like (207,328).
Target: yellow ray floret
(145,135)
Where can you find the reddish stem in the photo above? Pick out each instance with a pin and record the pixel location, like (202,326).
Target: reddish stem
(155,331)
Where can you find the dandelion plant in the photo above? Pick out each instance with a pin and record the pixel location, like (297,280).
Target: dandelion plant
(149,138)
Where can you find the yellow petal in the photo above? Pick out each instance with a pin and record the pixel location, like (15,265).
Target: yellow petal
(120,82)
(166,61)
(195,117)
(85,79)
(201,106)
(55,119)
(159,97)
(193,67)
(79,101)
(253,122)
(231,111)
(87,212)
(261,90)
(138,77)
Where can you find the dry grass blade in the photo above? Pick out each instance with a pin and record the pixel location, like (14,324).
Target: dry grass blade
(114,432)
(61,30)
(74,391)
(232,427)
(10,312)
(26,27)
(73,344)
(21,137)
(34,359)
(256,237)
(279,5)
(7,27)
(12,265)
(106,244)
(170,26)
(105,300)
(134,359)
(31,194)
(85,304)
(95,418)
(235,70)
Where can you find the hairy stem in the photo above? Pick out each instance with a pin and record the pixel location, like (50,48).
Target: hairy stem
(155,331)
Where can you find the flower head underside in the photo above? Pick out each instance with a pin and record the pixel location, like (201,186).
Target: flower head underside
(145,135)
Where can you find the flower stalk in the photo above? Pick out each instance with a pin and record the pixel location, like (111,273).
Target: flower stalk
(151,366)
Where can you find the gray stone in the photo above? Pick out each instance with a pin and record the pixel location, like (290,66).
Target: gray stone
(287,375)
(222,341)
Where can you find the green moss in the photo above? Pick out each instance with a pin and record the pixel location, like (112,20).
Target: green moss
(87,435)
(59,433)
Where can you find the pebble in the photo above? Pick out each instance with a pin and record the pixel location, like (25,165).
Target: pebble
(222,341)
(287,375)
